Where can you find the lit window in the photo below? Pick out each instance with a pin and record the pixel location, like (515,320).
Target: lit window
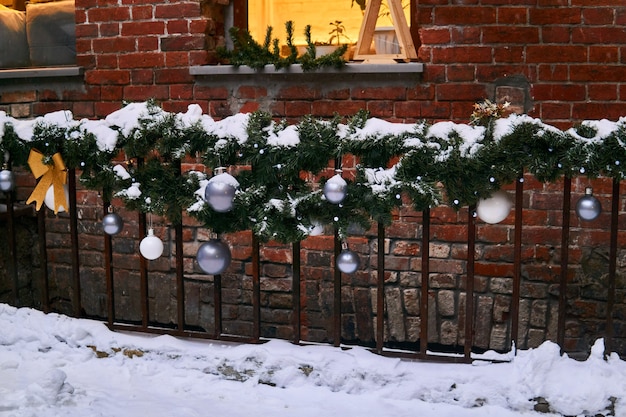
(37,34)
(320,14)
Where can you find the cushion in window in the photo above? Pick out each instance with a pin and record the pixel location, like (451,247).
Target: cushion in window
(51,31)
(13,42)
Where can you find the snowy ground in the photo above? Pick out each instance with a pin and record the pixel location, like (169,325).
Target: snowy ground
(52,365)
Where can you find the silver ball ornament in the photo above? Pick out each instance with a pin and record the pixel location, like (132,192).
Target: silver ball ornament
(213,257)
(335,189)
(220,192)
(347,261)
(588,207)
(112,224)
(7,180)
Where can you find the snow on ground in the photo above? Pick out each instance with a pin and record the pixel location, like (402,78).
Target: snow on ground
(53,365)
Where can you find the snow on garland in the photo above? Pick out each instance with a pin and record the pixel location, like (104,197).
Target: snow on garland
(136,153)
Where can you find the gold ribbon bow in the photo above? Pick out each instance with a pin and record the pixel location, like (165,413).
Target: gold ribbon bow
(53,175)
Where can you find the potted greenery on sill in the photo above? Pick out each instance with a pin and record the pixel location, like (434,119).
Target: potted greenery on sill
(249,52)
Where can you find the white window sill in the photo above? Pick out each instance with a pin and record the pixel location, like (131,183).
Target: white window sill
(44,72)
(350,68)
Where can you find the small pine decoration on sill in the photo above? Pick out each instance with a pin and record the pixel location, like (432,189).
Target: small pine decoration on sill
(247,51)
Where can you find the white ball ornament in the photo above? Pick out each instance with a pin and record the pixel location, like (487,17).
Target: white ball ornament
(494,209)
(213,257)
(49,198)
(588,208)
(112,224)
(220,192)
(151,246)
(7,180)
(335,189)
(347,261)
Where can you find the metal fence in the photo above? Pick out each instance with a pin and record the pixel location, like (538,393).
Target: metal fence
(181,329)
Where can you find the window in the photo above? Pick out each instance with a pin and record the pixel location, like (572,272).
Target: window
(320,14)
(37,34)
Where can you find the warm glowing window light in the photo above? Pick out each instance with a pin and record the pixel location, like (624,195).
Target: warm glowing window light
(318,13)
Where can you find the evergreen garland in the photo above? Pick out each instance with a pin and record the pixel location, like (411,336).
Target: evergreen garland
(281,168)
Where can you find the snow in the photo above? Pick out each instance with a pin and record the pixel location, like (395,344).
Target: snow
(52,365)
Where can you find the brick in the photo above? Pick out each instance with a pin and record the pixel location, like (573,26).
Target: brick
(457,92)
(603,92)
(464,15)
(142,12)
(434,35)
(297,108)
(107,77)
(379,93)
(299,92)
(510,34)
(466,35)
(604,54)
(142,93)
(553,72)
(512,15)
(559,92)
(143,28)
(182,43)
(598,16)
(588,111)
(177,59)
(27,96)
(381,108)
(172,76)
(462,54)
(404,109)
(179,9)
(505,54)
(112,93)
(326,108)
(141,60)
(434,110)
(551,54)
(177,27)
(598,35)
(148,44)
(211,93)
(461,73)
(109,14)
(109,29)
(113,45)
(597,73)
(555,111)
(562,15)
(556,34)
(86,30)
(142,76)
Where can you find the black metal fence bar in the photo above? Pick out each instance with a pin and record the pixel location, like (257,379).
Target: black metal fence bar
(73,211)
(108,270)
(469,283)
(43,255)
(217,306)
(517,260)
(565,232)
(295,284)
(256,288)
(336,293)
(12,261)
(610,302)
(380,290)
(424,286)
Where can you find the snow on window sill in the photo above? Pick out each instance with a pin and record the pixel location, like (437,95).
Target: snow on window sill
(350,68)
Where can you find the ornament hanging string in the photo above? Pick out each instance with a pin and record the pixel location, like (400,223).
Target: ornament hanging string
(53,175)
